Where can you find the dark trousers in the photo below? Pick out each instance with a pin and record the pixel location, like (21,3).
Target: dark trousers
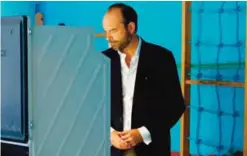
(116,152)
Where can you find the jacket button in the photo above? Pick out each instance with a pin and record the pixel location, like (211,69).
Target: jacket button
(121,119)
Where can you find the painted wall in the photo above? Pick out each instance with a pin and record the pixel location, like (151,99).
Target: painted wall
(18,9)
(160,23)
(91,13)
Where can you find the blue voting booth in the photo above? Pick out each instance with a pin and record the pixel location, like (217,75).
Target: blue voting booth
(55,90)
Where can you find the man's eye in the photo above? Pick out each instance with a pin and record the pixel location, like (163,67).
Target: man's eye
(113,30)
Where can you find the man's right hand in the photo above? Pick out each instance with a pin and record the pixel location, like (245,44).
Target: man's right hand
(117,142)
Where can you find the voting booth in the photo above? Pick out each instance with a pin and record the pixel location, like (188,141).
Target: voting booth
(55,94)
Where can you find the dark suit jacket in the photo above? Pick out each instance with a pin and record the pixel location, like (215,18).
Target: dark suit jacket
(157,103)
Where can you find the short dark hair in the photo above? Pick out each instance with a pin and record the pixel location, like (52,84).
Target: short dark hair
(128,13)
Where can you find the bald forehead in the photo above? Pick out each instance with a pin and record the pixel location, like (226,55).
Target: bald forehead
(114,14)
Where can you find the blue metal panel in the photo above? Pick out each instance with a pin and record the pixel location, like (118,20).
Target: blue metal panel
(70,93)
(14,79)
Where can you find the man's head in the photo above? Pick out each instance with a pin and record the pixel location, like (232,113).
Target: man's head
(120,25)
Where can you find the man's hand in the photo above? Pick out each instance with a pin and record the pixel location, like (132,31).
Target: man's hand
(117,142)
(132,137)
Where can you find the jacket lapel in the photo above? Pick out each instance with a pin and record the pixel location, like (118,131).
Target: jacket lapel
(142,72)
(116,78)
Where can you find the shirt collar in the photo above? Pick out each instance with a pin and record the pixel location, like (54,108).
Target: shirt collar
(138,49)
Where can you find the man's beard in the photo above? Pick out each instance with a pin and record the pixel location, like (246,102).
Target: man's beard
(123,45)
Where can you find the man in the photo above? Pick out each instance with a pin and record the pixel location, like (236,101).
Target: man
(146,98)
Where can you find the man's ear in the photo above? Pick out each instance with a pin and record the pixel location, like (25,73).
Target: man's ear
(132,27)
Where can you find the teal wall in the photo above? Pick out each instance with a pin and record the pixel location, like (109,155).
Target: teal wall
(18,8)
(91,14)
(160,23)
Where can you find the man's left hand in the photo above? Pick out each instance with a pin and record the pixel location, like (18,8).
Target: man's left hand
(132,137)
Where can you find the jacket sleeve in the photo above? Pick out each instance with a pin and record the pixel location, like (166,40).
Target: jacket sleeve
(176,101)
(171,103)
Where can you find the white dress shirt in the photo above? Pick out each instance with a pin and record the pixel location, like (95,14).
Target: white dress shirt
(128,84)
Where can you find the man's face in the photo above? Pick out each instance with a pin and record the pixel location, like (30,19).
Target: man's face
(117,34)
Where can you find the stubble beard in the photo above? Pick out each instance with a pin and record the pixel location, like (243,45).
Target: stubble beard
(125,43)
